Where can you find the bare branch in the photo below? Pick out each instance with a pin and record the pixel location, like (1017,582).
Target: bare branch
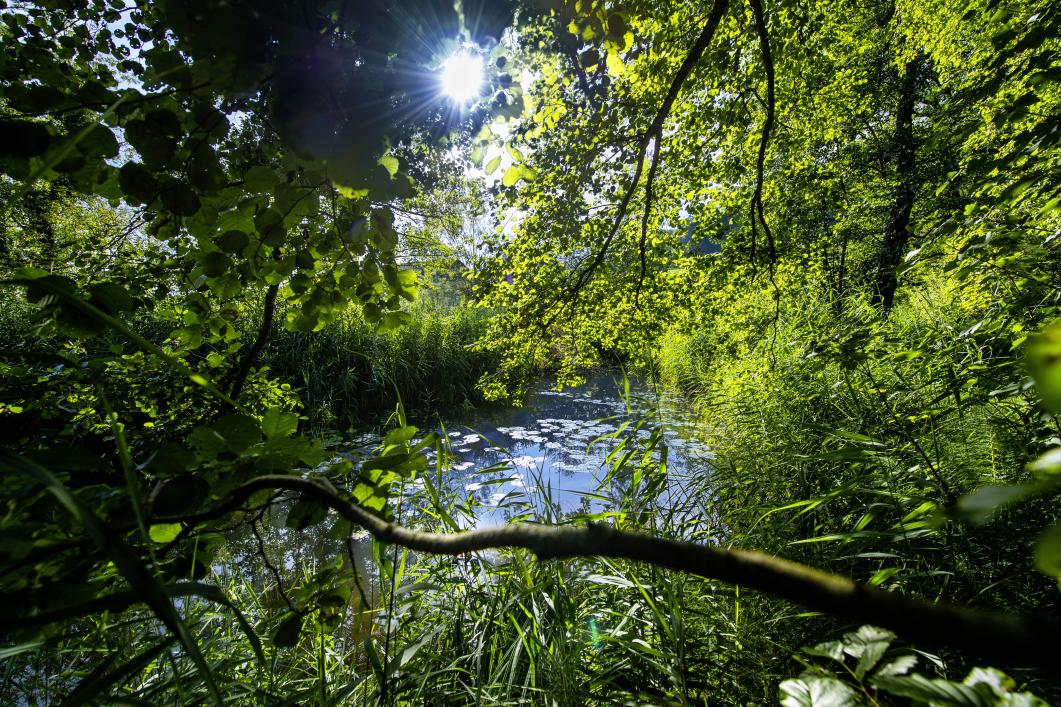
(1007,638)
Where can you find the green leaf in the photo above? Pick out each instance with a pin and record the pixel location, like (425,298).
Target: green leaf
(260,179)
(99,143)
(400,435)
(179,495)
(277,423)
(165,532)
(111,297)
(270,225)
(138,183)
(374,658)
(389,163)
(305,513)
(24,138)
(1043,359)
(868,645)
(1048,552)
(900,666)
(829,649)
(233,241)
(933,691)
(216,264)
(12,651)
(205,171)
(286,634)
(589,58)
(980,504)
(238,431)
(814,691)
(393,320)
(1048,464)
(512,175)
(180,199)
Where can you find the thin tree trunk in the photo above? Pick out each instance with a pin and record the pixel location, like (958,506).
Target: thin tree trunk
(896,233)
(251,356)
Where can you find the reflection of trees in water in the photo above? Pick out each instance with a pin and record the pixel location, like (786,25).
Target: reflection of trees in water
(276,562)
(559,445)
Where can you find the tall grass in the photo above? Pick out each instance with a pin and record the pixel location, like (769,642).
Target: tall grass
(505,628)
(349,375)
(502,628)
(491,628)
(847,440)
(847,450)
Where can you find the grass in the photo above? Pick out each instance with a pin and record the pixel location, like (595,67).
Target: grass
(836,451)
(349,375)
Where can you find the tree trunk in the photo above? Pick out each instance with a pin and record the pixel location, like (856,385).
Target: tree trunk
(896,235)
(251,356)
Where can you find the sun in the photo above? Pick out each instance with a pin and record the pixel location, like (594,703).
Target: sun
(462,76)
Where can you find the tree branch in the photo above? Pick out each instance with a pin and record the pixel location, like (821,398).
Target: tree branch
(768,126)
(897,231)
(240,377)
(644,222)
(655,130)
(1006,638)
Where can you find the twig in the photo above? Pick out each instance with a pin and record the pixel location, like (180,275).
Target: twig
(272,568)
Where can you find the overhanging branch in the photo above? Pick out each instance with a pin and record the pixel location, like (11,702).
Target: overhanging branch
(764,140)
(643,244)
(1006,638)
(655,131)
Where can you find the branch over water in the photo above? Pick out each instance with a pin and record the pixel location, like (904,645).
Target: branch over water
(1007,638)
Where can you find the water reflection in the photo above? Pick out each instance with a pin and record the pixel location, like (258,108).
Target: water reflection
(547,459)
(553,453)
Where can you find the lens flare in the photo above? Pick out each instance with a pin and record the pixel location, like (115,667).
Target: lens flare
(462,76)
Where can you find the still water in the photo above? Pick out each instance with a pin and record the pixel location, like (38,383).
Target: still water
(552,456)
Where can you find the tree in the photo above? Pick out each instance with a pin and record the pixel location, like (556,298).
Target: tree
(263,156)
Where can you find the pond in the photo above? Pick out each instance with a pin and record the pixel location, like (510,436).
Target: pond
(552,454)
(557,456)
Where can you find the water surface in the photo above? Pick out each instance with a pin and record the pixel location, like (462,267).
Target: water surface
(554,452)
(553,457)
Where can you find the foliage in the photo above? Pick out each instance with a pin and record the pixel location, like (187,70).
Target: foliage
(348,373)
(874,674)
(833,227)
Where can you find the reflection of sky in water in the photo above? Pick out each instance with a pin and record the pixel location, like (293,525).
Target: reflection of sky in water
(504,462)
(556,447)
